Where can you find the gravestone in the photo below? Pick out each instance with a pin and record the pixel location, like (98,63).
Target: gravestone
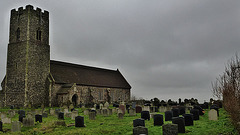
(120,115)
(195,113)
(180,122)
(145,115)
(132,112)
(105,112)
(98,112)
(65,110)
(122,107)
(175,112)
(133,104)
(146,108)
(11,113)
(60,123)
(28,122)
(212,115)
(79,121)
(139,122)
(170,129)
(168,115)
(3,115)
(52,111)
(44,115)
(16,126)
(86,112)
(158,120)
(38,118)
(140,130)
(216,108)
(6,120)
(109,111)
(152,109)
(92,115)
(201,111)
(114,110)
(68,114)
(106,105)
(182,110)
(61,116)
(152,115)
(138,109)
(20,118)
(162,109)
(101,106)
(1,124)
(188,119)
(97,106)
(74,114)
(21,112)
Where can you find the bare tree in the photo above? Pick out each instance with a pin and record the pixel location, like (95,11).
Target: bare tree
(227,88)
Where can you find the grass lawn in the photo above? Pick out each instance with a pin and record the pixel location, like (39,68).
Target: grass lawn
(113,126)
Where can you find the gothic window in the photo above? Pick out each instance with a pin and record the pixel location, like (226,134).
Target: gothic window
(18,33)
(39,34)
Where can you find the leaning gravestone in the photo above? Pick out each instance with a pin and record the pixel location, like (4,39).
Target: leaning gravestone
(212,115)
(139,122)
(79,121)
(140,130)
(170,129)
(16,126)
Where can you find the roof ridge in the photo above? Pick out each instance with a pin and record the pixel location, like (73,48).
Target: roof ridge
(78,65)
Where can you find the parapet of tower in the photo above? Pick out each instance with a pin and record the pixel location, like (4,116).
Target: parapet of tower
(29,21)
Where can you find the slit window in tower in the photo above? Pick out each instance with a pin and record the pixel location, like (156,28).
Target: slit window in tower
(39,34)
(18,34)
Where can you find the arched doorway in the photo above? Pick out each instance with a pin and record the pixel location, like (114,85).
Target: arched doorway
(74,100)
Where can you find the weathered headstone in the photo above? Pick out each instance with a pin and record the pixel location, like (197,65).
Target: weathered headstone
(168,115)
(106,105)
(74,114)
(140,130)
(65,110)
(109,111)
(188,119)
(145,115)
(170,129)
(44,115)
(79,121)
(132,112)
(98,112)
(21,112)
(101,106)
(68,114)
(92,115)
(162,109)
(52,111)
(86,112)
(11,113)
(182,110)
(122,107)
(6,120)
(158,120)
(60,123)
(212,115)
(16,126)
(105,112)
(138,109)
(180,122)
(138,122)
(146,108)
(20,118)
(120,115)
(28,122)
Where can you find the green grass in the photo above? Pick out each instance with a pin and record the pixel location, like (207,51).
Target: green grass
(113,126)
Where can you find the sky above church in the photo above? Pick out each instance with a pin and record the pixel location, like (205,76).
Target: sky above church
(167,49)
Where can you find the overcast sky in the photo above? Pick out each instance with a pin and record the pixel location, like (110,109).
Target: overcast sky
(164,48)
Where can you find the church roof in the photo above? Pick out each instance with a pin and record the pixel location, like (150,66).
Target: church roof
(68,73)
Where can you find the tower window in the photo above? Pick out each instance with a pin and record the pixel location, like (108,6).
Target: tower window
(18,34)
(39,34)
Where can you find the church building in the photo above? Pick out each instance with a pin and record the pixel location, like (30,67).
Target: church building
(33,79)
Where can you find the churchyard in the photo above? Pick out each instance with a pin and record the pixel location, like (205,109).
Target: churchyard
(109,120)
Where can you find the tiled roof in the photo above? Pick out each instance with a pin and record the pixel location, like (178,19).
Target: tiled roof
(68,73)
